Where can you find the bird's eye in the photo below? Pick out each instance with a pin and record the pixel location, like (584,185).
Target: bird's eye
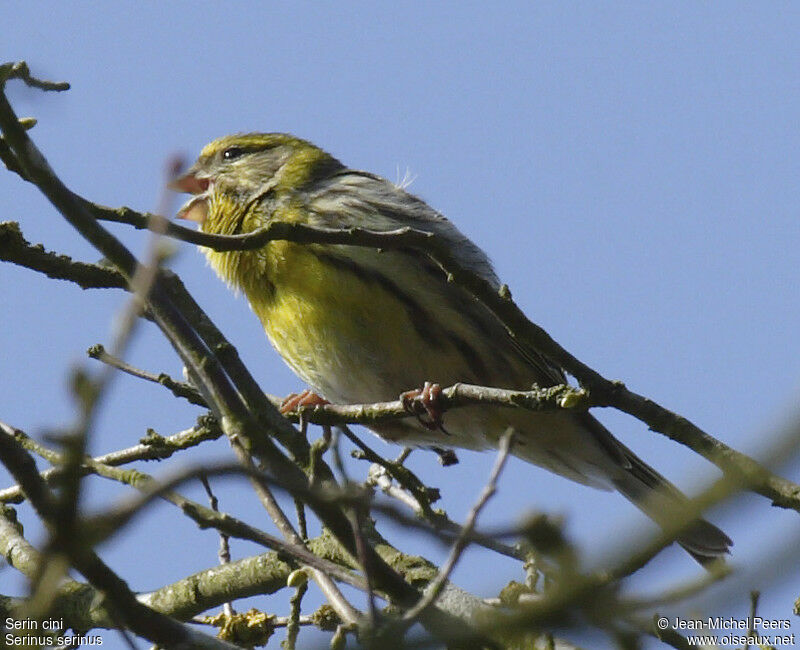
(232,153)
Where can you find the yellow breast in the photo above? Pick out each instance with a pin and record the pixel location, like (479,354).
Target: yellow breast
(340,329)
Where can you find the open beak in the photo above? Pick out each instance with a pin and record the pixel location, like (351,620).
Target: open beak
(192,182)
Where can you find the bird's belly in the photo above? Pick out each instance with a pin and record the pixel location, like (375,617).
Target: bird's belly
(350,337)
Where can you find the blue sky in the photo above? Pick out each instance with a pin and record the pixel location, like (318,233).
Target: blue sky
(632,169)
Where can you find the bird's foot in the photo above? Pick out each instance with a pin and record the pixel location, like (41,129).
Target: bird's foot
(425,401)
(296,401)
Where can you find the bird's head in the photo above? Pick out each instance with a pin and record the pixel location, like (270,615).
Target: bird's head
(237,171)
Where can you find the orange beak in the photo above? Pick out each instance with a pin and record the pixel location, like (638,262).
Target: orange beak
(196,208)
(189,183)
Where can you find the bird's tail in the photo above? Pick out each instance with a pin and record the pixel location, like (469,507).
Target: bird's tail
(660,500)
(657,497)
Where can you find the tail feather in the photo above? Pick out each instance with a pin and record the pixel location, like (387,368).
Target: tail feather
(659,499)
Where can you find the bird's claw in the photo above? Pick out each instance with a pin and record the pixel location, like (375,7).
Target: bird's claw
(425,401)
(296,401)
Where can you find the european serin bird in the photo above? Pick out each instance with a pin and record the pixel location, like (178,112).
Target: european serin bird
(360,325)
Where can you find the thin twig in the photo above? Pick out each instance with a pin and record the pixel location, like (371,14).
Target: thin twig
(178,388)
(751,629)
(155,448)
(434,589)
(16,249)
(444,528)
(19,70)
(294,619)
(296,601)
(224,539)
(355,515)
(679,593)
(423,495)
(328,587)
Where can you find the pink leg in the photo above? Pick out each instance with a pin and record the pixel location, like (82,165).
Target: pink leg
(425,401)
(296,400)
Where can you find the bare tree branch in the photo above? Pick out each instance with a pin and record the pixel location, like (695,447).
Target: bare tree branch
(155,447)
(141,619)
(14,248)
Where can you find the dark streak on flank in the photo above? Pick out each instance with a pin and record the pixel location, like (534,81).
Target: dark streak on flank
(473,359)
(429,329)
(548,374)
(426,327)
(468,308)
(467,303)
